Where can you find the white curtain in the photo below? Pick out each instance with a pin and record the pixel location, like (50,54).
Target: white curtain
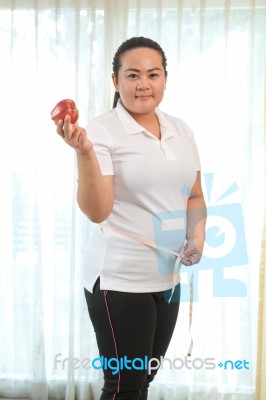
(52,49)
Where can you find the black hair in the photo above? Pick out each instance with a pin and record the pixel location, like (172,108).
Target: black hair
(135,43)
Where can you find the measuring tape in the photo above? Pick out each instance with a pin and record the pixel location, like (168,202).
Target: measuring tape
(151,244)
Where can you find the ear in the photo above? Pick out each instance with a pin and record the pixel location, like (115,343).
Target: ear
(166,74)
(115,82)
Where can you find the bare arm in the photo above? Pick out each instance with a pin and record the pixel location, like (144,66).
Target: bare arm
(95,191)
(196,213)
(196,222)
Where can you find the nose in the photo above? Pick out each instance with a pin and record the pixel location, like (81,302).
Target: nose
(143,82)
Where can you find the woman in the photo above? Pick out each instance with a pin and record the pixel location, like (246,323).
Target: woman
(139,182)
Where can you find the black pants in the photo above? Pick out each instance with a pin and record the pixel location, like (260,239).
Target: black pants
(135,325)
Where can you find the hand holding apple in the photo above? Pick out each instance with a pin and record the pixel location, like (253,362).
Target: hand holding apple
(65,116)
(63,108)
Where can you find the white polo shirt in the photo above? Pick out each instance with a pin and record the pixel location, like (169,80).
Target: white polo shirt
(152,181)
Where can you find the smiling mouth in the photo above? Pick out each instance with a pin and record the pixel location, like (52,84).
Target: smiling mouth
(143,97)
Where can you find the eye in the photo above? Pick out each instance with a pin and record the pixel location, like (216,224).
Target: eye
(154,75)
(133,76)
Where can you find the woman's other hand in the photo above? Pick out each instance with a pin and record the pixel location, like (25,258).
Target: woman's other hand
(191,253)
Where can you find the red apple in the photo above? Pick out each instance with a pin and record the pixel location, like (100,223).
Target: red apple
(63,108)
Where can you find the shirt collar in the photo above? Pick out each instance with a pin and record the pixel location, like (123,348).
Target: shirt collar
(167,128)
(132,127)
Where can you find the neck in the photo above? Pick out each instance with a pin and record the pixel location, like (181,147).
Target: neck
(143,119)
(150,123)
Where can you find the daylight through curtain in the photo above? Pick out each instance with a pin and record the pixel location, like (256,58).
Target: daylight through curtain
(52,50)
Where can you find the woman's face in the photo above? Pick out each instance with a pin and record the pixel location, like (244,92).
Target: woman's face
(141,80)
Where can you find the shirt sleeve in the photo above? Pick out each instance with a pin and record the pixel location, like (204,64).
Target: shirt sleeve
(195,152)
(102,144)
(193,145)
